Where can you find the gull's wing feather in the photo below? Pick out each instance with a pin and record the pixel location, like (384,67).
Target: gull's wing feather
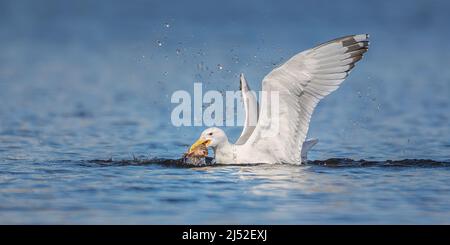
(251,111)
(301,83)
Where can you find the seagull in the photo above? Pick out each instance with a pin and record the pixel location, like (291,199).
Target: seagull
(279,136)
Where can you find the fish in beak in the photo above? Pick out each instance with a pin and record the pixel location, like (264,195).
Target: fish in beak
(199,148)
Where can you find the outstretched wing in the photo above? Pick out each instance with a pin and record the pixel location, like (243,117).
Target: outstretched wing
(251,111)
(293,91)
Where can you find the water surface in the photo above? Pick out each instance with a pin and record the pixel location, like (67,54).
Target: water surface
(84,82)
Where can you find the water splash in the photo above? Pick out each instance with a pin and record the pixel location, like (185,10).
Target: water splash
(330,163)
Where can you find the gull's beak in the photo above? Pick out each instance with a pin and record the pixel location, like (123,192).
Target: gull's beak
(201,141)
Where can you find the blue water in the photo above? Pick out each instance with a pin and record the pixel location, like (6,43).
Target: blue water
(83,82)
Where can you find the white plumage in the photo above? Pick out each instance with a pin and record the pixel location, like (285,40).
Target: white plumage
(300,83)
(251,111)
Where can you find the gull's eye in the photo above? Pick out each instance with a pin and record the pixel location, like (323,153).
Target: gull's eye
(210,134)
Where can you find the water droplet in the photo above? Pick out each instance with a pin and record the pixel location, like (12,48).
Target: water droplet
(160,44)
(235,58)
(200,66)
(220,67)
(167,25)
(165,73)
(178,51)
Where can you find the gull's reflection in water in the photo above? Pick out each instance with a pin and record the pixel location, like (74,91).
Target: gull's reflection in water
(283,179)
(275,192)
(278,179)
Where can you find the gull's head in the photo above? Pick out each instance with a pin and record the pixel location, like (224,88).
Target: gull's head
(211,137)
